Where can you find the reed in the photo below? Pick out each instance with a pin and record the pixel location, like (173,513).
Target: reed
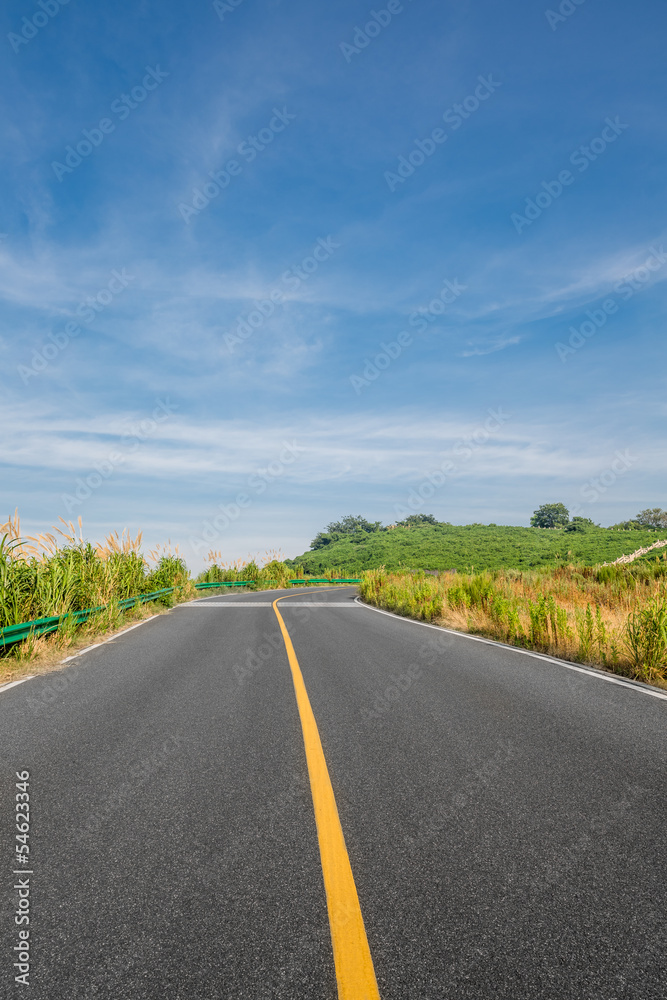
(58,572)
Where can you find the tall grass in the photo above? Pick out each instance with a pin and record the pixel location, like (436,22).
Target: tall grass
(646,640)
(56,573)
(610,616)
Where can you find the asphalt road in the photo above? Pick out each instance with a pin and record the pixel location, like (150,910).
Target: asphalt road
(504,815)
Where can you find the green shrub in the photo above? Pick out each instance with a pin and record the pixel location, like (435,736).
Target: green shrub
(646,640)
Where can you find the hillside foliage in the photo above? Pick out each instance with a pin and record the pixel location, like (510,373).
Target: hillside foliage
(438,547)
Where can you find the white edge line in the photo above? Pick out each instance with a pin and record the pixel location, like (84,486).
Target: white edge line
(11,684)
(599,675)
(5,687)
(111,638)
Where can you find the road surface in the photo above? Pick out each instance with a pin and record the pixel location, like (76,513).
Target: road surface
(503,817)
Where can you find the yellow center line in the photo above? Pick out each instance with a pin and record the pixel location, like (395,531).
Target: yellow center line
(355,974)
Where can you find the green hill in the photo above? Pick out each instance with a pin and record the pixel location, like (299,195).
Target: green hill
(460,547)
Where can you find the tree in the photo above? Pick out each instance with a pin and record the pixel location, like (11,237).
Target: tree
(323,538)
(352,523)
(550,515)
(414,520)
(581,524)
(652,517)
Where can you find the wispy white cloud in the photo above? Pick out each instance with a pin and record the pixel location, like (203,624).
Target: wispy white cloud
(386,448)
(486,348)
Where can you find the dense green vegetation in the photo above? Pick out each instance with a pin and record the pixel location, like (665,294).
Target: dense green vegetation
(476,546)
(78,577)
(274,574)
(55,574)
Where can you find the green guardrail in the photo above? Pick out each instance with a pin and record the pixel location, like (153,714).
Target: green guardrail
(43,626)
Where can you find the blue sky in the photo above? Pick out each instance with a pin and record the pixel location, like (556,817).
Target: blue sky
(429,276)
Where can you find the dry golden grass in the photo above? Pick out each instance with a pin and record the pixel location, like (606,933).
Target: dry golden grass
(581,614)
